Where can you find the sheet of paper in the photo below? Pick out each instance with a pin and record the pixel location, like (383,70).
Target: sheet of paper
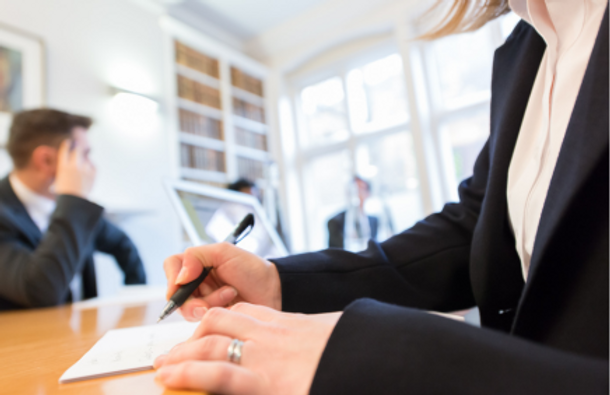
(128,350)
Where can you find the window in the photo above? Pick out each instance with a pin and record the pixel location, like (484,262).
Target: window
(459,75)
(356,123)
(355,120)
(397,199)
(323,105)
(377,97)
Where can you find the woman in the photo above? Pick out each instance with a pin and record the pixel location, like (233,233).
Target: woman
(527,244)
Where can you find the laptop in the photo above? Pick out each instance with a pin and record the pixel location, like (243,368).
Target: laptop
(209,214)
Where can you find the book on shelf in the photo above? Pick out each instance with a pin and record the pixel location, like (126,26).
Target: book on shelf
(208,159)
(185,155)
(196,60)
(248,110)
(251,169)
(198,92)
(201,158)
(247,138)
(200,125)
(246,82)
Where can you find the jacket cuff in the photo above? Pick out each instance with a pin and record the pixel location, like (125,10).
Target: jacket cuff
(385,349)
(331,279)
(361,353)
(293,271)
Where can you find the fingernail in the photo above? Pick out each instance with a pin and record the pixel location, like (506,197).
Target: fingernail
(228,294)
(181,276)
(165,372)
(198,312)
(159,361)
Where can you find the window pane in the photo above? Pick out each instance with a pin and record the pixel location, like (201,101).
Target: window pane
(465,136)
(508,23)
(324,109)
(326,180)
(377,97)
(463,65)
(389,162)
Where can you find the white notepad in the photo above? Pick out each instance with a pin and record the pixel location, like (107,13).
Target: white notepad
(128,350)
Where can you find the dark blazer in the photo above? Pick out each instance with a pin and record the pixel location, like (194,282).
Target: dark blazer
(336,229)
(549,336)
(36,269)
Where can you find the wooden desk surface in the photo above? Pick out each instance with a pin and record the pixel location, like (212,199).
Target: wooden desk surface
(37,346)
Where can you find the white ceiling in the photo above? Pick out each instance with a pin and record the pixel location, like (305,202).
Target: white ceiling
(248,18)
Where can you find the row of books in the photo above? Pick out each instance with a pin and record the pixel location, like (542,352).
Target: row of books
(198,93)
(249,139)
(250,168)
(246,82)
(195,60)
(201,158)
(248,110)
(200,125)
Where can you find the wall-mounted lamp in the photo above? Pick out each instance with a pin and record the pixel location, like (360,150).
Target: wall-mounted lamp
(133,112)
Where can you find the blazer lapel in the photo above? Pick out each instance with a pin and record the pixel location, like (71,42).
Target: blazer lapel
(23,221)
(515,67)
(584,145)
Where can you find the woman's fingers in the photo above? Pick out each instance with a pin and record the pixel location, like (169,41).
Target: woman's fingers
(195,308)
(215,377)
(219,321)
(194,260)
(262,313)
(221,297)
(209,348)
(172,266)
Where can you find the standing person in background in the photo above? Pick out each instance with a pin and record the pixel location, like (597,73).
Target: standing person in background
(48,228)
(353,225)
(527,243)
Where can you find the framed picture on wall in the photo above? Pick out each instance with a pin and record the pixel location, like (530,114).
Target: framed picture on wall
(22,79)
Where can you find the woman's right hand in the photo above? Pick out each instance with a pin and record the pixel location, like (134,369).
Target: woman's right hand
(237,276)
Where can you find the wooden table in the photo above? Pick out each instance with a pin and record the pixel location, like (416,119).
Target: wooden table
(37,346)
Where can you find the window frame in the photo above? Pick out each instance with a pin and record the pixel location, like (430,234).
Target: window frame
(426,113)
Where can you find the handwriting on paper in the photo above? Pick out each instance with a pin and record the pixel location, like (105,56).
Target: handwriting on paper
(128,350)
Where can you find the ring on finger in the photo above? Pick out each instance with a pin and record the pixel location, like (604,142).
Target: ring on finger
(234,351)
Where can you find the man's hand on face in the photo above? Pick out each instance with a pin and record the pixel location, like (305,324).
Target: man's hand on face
(75,172)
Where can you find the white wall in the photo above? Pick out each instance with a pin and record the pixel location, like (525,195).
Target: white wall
(91,45)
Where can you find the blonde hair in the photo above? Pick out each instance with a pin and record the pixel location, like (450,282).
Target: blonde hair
(464,16)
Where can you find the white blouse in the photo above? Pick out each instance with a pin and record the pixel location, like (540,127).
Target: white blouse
(569,28)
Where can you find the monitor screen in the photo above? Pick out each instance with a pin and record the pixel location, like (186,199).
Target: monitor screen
(214,219)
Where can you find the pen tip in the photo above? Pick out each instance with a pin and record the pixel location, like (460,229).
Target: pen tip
(159,320)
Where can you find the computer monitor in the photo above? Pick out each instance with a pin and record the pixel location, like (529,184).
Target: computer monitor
(209,214)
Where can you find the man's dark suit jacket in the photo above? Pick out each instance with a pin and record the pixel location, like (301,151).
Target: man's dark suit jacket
(336,229)
(36,269)
(548,336)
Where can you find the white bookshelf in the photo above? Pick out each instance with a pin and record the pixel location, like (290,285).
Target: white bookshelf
(235,130)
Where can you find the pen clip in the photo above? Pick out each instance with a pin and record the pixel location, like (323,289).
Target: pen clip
(243,234)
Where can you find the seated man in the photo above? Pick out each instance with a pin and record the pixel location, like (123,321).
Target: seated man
(48,228)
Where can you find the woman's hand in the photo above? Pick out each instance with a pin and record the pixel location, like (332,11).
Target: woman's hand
(237,276)
(280,354)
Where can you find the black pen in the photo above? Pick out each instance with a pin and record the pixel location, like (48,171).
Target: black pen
(185,290)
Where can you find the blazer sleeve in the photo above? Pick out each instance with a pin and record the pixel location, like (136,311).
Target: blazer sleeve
(384,349)
(426,266)
(115,242)
(41,277)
